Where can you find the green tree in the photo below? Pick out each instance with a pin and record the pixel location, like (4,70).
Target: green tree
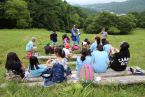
(125,24)
(17,10)
(116,24)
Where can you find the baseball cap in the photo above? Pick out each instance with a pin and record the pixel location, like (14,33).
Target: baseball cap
(67,45)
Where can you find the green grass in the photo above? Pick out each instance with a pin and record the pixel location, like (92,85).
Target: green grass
(15,40)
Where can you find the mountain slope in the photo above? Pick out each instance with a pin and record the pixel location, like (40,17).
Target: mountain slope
(119,7)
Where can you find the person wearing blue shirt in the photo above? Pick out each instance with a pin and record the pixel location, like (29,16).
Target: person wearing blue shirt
(93,46)
(35,69)
(100,60)
(30,45)
(74,35)
(107,47)
(85,59)
(37,72)
(78,36)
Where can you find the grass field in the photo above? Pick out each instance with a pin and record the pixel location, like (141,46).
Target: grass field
(15,40)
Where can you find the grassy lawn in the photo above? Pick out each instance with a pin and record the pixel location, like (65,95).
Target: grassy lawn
(15,40)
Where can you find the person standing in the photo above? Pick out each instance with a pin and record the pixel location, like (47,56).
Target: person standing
(78,36)
(104,35)
(74,35)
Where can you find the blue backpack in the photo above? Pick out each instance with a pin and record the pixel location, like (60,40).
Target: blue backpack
(58,73)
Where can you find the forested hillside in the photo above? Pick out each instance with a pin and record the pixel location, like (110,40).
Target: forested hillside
(119,7)
(49,14)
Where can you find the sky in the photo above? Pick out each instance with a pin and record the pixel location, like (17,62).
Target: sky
(91,1)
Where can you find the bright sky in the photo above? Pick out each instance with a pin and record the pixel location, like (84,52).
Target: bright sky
(92,1)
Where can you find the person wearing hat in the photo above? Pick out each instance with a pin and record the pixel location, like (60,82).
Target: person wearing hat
(67,50)
(120,59)
(86,43)
(31,47)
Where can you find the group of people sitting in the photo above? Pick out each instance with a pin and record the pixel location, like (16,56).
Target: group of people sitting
(16,70)
(103,56)
(100,55)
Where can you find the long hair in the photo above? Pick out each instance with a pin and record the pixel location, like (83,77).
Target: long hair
(34,63)
(124,49)
(97,38)
(11,60)
(64,36)
(59,52)
(84,52)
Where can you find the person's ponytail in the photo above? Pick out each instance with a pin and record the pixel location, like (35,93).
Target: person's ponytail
(60,52)
(85,53)
(83,58)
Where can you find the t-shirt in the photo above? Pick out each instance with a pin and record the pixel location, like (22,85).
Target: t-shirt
(104,35)
(100,61)
(37,72)
(66,40)
(67,51)
(119,61)
(53,37)
(93,46)
(80,63)
(29,46)
(84,43)
(107,48)
(74,36)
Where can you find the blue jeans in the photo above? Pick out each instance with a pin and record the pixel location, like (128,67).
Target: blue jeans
(75,43)
(54,43)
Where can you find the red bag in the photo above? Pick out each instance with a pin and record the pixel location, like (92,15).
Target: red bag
(75,47)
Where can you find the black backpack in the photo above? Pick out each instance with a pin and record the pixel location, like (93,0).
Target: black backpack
(48,50)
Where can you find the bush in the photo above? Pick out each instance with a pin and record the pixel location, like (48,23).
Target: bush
(117,24)
(113,30)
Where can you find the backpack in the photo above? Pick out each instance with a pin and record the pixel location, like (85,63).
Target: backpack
(75,48)
(48,50)
(86,73)
(58,73)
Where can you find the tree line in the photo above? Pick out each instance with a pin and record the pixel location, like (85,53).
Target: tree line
(49,14)
(59,15)
(117,24)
